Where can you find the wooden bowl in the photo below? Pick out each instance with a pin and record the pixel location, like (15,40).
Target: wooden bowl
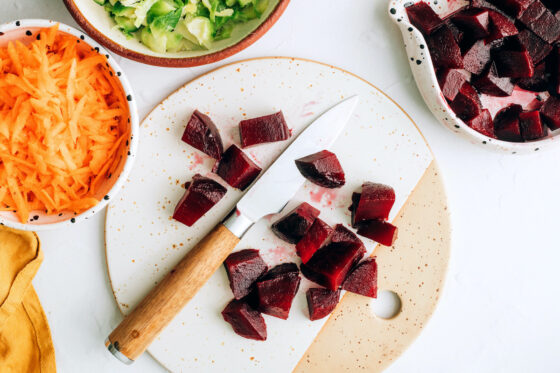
(99,25)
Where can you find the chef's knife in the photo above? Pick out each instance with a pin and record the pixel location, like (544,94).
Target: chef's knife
(269,195)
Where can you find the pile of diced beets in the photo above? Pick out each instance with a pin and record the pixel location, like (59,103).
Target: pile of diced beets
(233,165)
(489,47)
(330,257)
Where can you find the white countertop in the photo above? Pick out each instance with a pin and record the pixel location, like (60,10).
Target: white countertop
(500,306)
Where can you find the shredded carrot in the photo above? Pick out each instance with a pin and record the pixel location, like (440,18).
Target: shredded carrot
(63,125)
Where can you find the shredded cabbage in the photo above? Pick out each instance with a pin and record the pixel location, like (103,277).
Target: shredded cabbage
(177,25)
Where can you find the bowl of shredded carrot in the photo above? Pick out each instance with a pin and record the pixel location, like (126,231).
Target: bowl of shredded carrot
(68,125)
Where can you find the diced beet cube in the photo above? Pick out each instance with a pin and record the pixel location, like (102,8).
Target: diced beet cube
(477,57)
(423,17)
(315,237)
(531,125)
(202,194)
(244,320)
(330,264)
(500,27)
(552,5)
(514,64)
(475,22)
(542,22)
(277,289)
(376,201)
(444,49)
(322,168)
(491,84)
(538,82)
(236,168)
(458,34)
(550,112)
(538,49)
(532,13)
(202,134)
(450,81)
(355,200)
(269,128)
(554,70)
(555,67)
(292,227)
(483,123)
(513,7)
(342,234)
(467,104)
(363,279)
(378,230)
(243,268)
(506,123)
(321,302)
(282,270)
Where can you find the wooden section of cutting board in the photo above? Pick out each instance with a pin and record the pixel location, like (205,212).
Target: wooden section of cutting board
(415,268)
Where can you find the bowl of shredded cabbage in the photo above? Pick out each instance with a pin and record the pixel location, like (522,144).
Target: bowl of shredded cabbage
(176,33)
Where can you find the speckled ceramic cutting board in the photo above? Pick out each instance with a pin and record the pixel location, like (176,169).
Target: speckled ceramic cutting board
(380,143)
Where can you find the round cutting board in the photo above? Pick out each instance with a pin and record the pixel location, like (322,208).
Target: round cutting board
(380,144)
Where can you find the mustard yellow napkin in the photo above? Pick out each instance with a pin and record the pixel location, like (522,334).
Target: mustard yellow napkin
(25,337)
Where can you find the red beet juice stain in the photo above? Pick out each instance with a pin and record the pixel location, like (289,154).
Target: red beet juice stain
(323,195)
(527,99)
(196,161)
(305,111)
(280,254)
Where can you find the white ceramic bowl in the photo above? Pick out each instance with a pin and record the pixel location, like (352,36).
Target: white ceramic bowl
(110,187)
(426,80)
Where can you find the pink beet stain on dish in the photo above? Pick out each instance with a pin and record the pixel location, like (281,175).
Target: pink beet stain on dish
(306,110)
(197,160)
(279,254)
(453,5)
(254,157)
(519,96)
(308,104)
(323,195)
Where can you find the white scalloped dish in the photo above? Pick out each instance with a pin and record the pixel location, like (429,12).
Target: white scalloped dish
(426,80)
(25,30)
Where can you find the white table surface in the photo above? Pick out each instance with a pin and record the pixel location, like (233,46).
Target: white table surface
(500,306)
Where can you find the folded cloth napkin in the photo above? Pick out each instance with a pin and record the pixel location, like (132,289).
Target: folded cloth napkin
(25,337)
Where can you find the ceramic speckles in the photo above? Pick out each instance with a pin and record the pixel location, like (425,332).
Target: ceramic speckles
(380,143)
(426,80)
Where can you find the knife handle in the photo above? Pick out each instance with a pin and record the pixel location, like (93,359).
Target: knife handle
(135,333)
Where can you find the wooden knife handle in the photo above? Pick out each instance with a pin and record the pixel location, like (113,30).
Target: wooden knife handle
(135,333)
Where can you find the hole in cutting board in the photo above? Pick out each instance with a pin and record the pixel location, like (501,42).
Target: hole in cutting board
(387,305)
